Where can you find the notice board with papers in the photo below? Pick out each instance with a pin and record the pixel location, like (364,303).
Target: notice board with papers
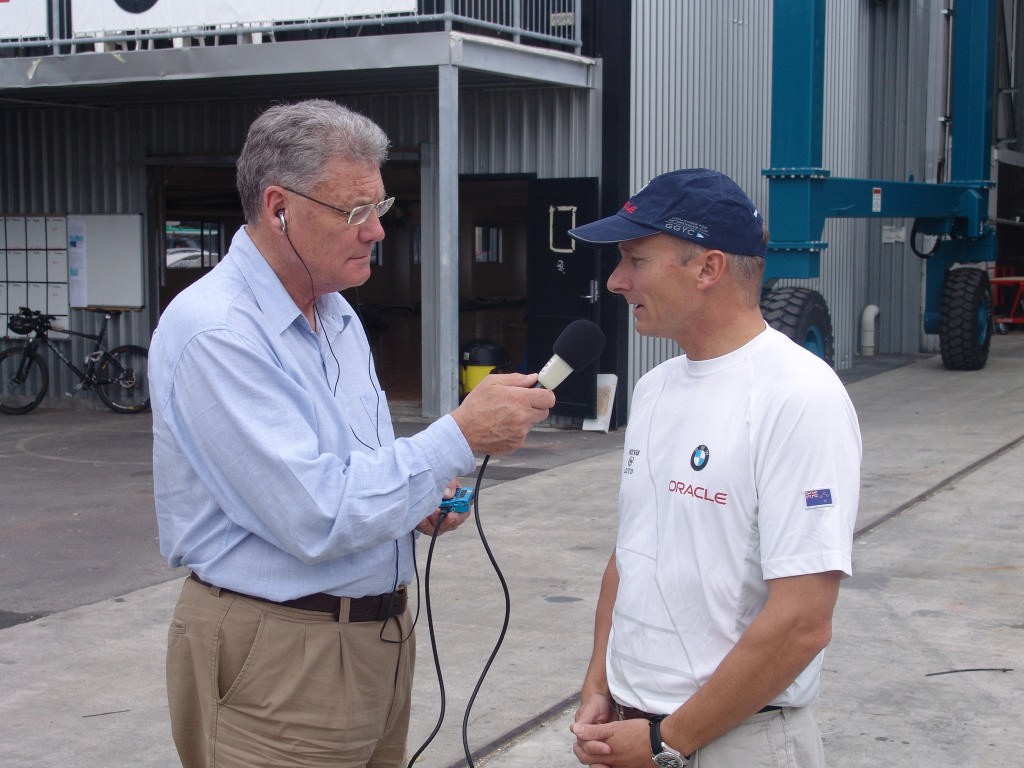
(105,265)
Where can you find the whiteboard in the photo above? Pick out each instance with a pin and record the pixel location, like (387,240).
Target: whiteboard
(105,261)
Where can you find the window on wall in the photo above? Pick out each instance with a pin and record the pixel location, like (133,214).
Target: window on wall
(191,244)
(487,245)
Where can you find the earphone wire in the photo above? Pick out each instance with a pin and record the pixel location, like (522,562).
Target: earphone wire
(319,320)
(369,365)
(376,389)
(337,363)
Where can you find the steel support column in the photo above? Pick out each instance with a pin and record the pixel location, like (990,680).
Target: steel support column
(974,53)
(440,270)
(798,86)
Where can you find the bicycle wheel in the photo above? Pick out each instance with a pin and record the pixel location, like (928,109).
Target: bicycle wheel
(122,380)
(24,380)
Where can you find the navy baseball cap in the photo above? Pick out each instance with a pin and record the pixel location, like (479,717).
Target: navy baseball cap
(696,204)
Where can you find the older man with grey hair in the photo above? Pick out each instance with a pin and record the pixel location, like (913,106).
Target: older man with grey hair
(278,480)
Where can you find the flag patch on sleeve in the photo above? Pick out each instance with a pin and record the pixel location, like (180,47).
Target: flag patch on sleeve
(820,497)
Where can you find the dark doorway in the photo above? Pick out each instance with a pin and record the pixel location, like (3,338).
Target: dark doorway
(389,302)
(492,278)
(564,281)
(198,214)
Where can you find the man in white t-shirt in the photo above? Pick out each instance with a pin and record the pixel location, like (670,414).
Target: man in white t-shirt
(739,492)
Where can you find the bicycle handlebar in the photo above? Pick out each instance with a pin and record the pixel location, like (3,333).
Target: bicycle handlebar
(29,320)
(35,313)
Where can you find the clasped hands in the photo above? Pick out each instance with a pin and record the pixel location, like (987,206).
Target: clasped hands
(603,741)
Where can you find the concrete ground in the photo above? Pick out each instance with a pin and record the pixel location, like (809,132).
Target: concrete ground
(925,666)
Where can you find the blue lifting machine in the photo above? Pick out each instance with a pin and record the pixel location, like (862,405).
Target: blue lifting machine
(802,194)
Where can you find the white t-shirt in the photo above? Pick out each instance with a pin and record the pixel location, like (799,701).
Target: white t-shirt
(735,470)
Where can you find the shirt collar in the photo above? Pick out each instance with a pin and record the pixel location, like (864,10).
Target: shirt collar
(274,301)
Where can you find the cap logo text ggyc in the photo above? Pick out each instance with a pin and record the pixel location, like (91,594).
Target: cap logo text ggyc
(687,228)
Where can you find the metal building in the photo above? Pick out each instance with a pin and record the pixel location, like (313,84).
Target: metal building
(480,99)
(508,118)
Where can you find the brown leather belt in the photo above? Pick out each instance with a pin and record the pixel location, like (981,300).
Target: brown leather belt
(632,713)
(369,608)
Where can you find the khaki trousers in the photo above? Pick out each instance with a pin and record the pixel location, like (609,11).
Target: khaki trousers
(256,685)
(785,738)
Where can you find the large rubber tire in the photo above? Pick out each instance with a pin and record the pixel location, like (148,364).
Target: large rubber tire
(122,379)
(21,397)
(802,315)
(966,319)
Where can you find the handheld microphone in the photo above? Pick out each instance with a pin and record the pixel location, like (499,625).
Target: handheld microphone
(575,348)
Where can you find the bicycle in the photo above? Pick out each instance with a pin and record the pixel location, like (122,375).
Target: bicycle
(118,376)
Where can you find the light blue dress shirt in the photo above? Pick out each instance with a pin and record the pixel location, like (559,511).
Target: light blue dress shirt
(276,469)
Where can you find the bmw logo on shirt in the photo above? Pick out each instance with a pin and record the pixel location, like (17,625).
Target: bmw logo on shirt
(699,458)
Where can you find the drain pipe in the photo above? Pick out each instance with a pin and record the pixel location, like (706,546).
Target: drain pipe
(867,329)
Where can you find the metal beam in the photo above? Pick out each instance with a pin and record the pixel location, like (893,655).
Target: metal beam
(440,269)
(798,83)
(430,292)
(974,55)
(488,54)
(355,55)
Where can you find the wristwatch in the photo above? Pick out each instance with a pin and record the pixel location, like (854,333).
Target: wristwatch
(664,755)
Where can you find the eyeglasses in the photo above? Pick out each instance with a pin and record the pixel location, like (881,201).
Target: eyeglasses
(357,215)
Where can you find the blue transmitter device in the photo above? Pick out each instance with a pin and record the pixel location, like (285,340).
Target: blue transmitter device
(459,503)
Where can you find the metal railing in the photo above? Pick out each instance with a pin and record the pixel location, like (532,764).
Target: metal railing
(544,23)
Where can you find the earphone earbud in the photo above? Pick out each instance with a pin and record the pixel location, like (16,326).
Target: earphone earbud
(284,225)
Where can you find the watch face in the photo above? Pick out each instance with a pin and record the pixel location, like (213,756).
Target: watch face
(668,760)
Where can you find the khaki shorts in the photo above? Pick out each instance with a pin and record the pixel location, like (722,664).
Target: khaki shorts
(252,684)
(784,738)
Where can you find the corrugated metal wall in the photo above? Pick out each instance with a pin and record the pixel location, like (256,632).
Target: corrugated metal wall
(845,142)
(61,160)
(93,161)
(907,85)
(698,99)
(81,161)
(543,131)
(701,98)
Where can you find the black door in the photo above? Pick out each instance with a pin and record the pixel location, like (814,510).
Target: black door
(563,281)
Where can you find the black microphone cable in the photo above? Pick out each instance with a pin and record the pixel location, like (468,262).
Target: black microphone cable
(433,642)
(433,638)
(584,339)
(504,625)
(578,345)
